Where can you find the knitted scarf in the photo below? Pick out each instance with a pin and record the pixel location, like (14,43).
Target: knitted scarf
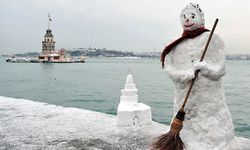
(185,35)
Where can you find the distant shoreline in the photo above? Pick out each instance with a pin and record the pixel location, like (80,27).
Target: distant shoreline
(93,52)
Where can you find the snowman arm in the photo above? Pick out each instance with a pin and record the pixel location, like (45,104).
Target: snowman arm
(176,75)
(213,70)
(213,65)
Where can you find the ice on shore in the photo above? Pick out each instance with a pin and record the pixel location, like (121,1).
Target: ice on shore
(26,124)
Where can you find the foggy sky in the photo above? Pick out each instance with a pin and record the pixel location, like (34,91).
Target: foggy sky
(131,25)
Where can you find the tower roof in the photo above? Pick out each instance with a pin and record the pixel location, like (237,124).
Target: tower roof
(48,33)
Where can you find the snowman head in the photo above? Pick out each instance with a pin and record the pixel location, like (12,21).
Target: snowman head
(192,17)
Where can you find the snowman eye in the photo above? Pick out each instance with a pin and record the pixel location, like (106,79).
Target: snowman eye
(193,15)
(184,16)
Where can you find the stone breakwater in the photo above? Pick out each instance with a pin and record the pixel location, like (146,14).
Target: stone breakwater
(26,124)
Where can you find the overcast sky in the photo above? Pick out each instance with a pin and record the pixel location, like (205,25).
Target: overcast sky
(131,25)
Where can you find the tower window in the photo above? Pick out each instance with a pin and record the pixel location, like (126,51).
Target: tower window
(56,57)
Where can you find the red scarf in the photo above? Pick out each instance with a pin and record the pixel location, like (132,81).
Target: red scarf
(185,35)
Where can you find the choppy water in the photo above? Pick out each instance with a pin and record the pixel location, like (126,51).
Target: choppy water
(96,85)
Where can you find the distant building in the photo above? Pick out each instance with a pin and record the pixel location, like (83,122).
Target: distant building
(49,54)
(48,44)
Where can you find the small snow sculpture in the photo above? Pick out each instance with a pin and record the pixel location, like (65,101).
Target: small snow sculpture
(130,112)
(208,123)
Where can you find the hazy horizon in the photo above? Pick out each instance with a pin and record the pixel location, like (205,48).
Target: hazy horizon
(138,26)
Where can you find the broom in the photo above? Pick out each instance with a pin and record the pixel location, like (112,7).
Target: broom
(172,140)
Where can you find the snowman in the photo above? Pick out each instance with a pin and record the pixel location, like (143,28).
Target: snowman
(208,124)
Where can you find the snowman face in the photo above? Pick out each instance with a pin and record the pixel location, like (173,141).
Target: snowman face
(191,20)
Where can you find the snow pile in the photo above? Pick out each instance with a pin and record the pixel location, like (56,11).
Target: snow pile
(25,124)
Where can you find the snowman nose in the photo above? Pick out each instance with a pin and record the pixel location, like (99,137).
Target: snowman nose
(187,20)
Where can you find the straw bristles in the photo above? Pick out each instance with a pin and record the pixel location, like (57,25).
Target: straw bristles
(170,140)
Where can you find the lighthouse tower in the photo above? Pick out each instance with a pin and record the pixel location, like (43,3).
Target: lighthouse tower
(48,44)
(130,112)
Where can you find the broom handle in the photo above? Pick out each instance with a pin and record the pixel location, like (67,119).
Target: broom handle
(197,71)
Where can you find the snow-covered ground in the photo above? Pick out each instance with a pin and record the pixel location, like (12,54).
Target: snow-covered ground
(26,124)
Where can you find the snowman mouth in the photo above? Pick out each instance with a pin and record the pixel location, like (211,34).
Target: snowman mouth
(189,25)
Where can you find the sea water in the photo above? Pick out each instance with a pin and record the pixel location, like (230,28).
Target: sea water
(96,85)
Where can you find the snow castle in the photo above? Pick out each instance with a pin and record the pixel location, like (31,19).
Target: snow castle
(130,112)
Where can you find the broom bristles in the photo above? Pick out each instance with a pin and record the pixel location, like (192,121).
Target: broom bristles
(171,140)
(168,141)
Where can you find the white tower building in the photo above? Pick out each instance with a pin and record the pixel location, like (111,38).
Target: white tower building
(130,112)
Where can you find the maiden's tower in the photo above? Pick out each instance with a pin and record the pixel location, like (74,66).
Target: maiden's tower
(49,54)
